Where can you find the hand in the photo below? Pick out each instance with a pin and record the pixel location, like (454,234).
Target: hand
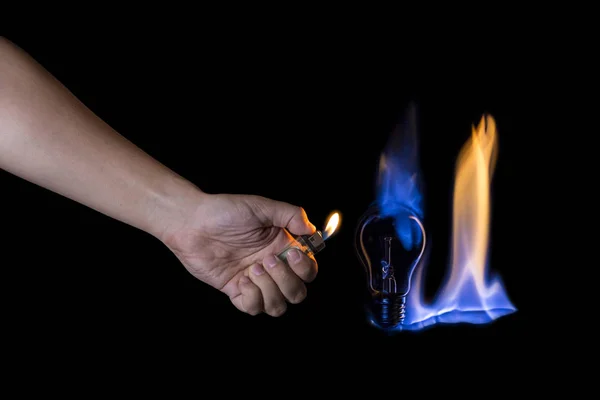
(230,243)
(216,237)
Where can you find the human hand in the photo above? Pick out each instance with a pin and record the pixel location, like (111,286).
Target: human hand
(230,243)
(216,237)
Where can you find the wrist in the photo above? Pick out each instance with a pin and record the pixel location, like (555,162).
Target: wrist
(172,204)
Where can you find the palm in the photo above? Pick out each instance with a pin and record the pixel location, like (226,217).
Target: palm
(225,236)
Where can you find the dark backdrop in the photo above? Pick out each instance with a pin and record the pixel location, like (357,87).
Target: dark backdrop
(299,123)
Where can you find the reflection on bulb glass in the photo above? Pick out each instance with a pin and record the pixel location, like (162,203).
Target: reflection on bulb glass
(390,248)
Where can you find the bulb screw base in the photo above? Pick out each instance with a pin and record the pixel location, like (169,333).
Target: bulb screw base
(388,310)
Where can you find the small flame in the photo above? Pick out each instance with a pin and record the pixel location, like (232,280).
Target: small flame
(332,224)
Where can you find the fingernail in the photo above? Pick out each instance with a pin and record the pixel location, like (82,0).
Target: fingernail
(257,269)
(293,256)
(244,280)
(270,261)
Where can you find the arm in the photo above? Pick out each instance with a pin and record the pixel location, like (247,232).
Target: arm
(48,137)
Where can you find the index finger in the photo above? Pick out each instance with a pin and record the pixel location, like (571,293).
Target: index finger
(288,216)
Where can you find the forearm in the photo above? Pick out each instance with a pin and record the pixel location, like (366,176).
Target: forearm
(50,138)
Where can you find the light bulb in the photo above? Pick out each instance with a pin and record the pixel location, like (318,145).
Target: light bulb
(390,248)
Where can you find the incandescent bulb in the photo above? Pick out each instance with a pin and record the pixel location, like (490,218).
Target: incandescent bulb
(390,248)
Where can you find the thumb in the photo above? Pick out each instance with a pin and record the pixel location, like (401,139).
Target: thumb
(285,215)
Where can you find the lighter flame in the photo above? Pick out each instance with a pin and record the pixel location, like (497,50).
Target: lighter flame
(332,225)
(469,295)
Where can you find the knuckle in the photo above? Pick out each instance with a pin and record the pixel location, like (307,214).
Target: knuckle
(253,311)
(299,296)
(308,273)
(277,310)
(253,308)
(254,291)
(276,270)
(252,303)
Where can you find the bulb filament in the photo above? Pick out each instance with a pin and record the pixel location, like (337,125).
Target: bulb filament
(387,269)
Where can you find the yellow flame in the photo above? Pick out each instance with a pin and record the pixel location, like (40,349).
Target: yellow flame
(471,206)
(468,295)
(332,224)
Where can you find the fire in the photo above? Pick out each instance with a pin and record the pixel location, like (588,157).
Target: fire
(470,294)
(332,224)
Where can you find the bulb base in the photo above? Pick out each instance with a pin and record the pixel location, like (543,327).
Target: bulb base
(388,310)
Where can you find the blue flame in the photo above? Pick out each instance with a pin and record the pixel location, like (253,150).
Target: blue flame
(398,185)
(470,293)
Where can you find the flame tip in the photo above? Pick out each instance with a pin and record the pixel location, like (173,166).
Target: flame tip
(332,225)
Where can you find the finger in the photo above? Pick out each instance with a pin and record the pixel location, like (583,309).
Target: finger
(285,215)
(273,301)
(250,299)
(305,267)
(290,284)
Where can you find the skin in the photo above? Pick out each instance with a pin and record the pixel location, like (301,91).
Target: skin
(48,137)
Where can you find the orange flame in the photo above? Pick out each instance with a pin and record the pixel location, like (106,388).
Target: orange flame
(469,294)
(471,211)
(332,224)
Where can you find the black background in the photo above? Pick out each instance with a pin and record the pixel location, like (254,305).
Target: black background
(296,122)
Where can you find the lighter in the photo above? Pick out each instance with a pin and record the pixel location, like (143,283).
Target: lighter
(308,244)
(312,244)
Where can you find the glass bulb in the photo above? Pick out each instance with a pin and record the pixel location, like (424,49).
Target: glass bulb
(390,248)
